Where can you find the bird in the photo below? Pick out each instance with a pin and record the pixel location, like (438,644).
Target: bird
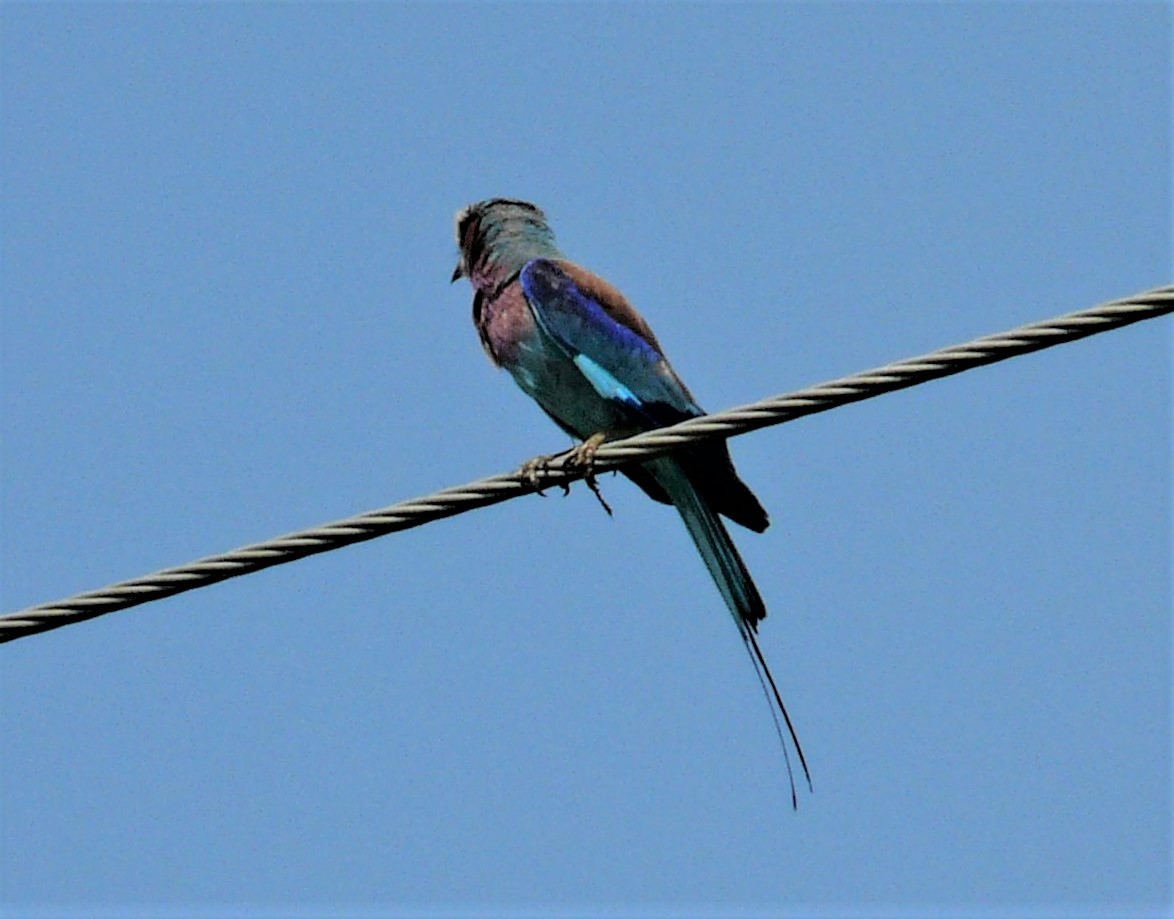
(577,347)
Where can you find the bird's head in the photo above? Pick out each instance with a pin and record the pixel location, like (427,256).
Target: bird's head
(497,237)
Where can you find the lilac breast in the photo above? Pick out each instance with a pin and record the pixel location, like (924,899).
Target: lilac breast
(508,325)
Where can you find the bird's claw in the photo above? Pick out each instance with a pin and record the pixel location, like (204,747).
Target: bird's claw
(583,456)
(534,472)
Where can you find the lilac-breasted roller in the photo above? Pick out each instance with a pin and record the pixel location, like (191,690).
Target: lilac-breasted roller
(576,346)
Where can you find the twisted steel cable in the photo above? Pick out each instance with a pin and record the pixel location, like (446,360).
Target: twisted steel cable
(495,489)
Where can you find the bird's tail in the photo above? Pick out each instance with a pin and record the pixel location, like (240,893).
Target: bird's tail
(737,587)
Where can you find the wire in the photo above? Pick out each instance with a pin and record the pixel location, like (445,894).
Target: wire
(495,489)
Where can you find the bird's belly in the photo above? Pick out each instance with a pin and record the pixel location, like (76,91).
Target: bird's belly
(548,376)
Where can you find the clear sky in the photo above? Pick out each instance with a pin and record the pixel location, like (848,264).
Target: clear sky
(226,244)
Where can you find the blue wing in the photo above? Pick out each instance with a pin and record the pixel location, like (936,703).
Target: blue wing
(618,354)
(619,362)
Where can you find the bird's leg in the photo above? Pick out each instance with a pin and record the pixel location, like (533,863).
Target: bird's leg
(583,456)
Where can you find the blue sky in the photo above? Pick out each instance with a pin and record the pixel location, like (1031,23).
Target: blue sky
(226,315)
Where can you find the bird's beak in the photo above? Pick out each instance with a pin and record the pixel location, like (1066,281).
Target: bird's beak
(458,273)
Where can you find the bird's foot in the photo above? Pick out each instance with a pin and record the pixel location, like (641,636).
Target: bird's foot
(534,472)
(583,456)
